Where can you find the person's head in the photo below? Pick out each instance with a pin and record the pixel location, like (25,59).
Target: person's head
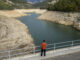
(43,40)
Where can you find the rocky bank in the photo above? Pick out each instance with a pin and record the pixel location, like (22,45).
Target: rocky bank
(72,19)
(14,35)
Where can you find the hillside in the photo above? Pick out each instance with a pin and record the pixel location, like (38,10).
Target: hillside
(14,4)
(65,6)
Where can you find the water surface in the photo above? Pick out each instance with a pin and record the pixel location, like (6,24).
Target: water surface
(51,32)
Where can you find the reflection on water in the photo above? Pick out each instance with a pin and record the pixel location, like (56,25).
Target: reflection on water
(51,32)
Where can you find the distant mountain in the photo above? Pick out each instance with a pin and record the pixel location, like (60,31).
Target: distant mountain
(34,1)
(42,4)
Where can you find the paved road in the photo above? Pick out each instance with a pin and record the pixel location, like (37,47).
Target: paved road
(74,56)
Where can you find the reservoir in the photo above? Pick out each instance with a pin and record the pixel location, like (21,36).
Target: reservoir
(51,32)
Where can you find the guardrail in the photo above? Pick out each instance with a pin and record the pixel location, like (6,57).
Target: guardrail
(54,46)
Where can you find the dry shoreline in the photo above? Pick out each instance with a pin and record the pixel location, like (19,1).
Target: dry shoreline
(20,12)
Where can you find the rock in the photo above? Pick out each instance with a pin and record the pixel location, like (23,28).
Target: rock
(14,35)
(61,18)
(77,23)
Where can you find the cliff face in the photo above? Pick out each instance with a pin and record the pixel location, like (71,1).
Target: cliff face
(14,35)
(62,18)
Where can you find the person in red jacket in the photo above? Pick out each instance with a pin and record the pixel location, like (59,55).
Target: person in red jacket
(43,48)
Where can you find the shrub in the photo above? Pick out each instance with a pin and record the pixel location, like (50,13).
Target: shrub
(4,6)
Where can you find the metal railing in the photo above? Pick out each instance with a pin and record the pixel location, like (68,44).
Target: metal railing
(53,46)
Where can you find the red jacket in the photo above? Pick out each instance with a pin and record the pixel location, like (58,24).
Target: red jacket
(44,45)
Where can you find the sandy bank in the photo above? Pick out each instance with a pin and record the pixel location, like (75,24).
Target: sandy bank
(12,13)
(20,12)
(38,11)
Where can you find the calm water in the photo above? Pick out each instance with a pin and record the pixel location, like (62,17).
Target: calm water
(51,32)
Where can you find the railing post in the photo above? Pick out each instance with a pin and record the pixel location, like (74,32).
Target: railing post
(34,49)
(72,43)
(54,47)
(9,54)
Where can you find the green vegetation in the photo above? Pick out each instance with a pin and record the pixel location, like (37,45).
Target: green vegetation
(14,4)
(4,5)
(19,4)
(66,6)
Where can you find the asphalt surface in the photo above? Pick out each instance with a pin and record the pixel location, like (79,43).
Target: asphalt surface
(74,56)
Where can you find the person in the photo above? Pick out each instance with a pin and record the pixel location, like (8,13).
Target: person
(43,48)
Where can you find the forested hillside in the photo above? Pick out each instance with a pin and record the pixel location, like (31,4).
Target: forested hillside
(14,4)
(65,5)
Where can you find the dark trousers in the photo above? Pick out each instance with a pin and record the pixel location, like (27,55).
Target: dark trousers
(43,52)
